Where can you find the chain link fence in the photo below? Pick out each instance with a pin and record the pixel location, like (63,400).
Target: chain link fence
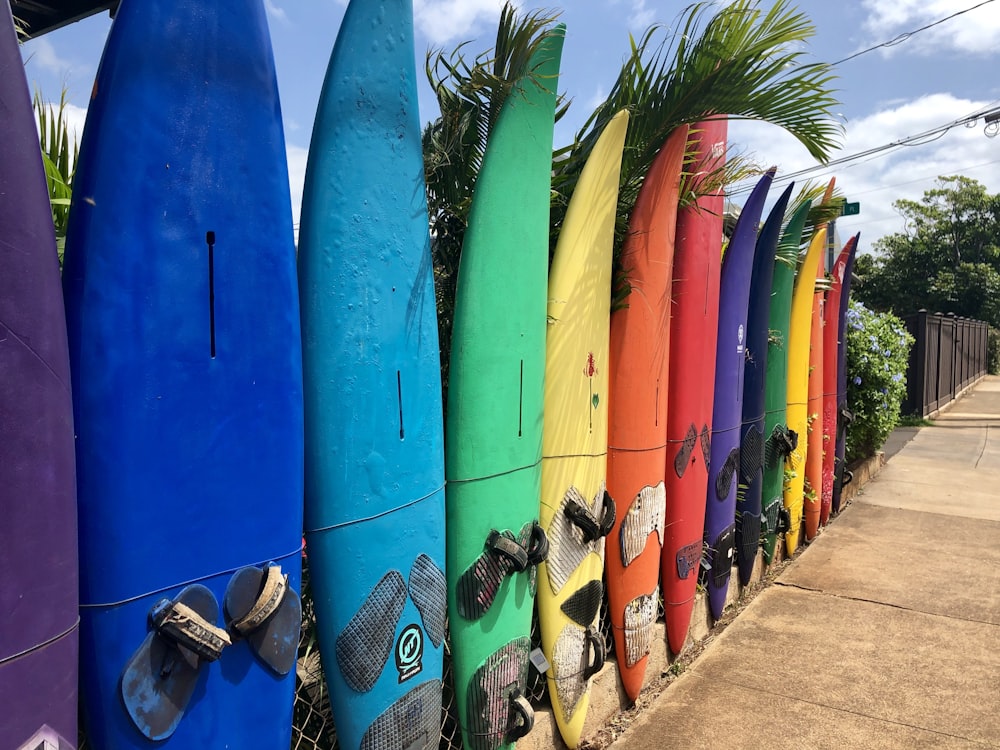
(313,727)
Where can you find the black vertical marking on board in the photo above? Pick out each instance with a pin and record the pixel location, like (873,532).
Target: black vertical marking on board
(210,240)
(399,395)
(520,401)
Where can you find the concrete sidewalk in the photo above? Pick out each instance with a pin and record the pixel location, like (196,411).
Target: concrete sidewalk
(883,633)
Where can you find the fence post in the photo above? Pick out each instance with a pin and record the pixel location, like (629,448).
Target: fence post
(916,367)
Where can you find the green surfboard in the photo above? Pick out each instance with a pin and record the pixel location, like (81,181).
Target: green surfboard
(493,441)
(776,383)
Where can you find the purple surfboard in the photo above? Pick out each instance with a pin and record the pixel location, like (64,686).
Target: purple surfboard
(38,588)
(727,412)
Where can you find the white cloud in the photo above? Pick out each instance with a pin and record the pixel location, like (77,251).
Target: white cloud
(641,17)
(274,12)
(443,21)
(42,53)
(878,180)
(974,32)
(75,118)
(297,157)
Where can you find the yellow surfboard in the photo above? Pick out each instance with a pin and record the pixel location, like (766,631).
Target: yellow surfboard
(798,383)
(574,511)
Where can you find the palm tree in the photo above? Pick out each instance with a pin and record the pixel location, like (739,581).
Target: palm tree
(470,96)
(741,62)
(59,154)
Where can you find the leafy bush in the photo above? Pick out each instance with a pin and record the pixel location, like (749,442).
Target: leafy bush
(878,347)
(993,351)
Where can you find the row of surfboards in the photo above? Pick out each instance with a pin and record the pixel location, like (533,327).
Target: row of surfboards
(161,401)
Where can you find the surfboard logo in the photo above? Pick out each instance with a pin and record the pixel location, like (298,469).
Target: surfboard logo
(739,336)
(409,653)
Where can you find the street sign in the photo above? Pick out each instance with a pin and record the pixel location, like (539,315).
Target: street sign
(850,209)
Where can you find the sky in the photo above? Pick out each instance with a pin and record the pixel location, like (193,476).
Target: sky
(925,81)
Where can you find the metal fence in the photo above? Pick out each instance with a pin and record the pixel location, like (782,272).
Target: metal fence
(949,355)
(313,727)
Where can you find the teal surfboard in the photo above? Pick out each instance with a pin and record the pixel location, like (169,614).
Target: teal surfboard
(494,426)
(374,443)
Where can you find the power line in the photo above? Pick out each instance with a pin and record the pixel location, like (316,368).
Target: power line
(919,139)
(906,35)
(953,170)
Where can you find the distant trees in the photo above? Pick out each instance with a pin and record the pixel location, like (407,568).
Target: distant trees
(947,260)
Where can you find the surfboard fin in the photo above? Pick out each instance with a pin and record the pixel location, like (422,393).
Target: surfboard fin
(503,554)
(160,678)
(262,609)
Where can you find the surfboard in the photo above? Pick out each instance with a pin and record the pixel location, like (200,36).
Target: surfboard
(38,596)
(493,446)
(637,414)
(694,322)
(183,324)
(830,352)
(751,471)
(843,412)
(797,407)
(777,441)
(576,513)
(372,383)
(727,409)
(813,488)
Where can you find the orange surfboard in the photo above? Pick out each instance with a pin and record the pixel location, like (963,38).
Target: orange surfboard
(637,414)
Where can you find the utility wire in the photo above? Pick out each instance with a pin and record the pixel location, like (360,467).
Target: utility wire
(918,139)
(906,35)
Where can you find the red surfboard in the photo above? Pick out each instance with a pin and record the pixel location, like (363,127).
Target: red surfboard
(694,320)
(814,455)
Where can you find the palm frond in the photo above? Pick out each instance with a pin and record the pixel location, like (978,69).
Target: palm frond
(741,62)
(59,155)
(21,29)
(470,96)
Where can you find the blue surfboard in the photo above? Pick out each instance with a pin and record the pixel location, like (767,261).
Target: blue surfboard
(183,322)
(751,473)
(374,438)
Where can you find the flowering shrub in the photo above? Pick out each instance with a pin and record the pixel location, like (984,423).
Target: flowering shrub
(878,347)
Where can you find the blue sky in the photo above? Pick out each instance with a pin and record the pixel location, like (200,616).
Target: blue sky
(934,77)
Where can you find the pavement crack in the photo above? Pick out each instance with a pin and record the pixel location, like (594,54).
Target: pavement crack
(986,441)
(861,714)
(864,600)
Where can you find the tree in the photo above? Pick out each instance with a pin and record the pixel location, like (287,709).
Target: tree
(59,154)
(946,260)
(741,62)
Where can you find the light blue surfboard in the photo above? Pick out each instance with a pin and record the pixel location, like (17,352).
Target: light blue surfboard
(183,323)
(374,445)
